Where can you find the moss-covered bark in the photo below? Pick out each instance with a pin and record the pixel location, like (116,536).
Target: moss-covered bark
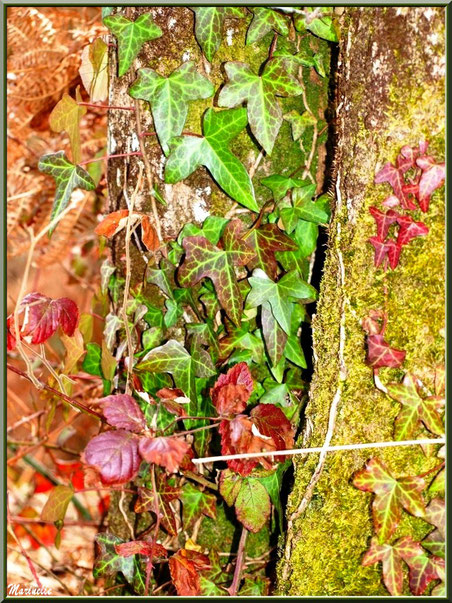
(390,92)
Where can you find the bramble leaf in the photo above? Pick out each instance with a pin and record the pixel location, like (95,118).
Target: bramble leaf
(252,505)
(122,411)
(278,294)
(206,260)
(391,495)
(266,241)
(195,503)
(115,455)
(379,353)
(211,150)
(272,423)
(415,409)
(229,486)
(57,503)
(259,91)
(67,178)
(131,36)
(209,26)
(66,116)
(94,70)
(265,20)
(169,97)
(166,452)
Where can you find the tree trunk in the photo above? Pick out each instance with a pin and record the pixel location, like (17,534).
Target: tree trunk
(389,93)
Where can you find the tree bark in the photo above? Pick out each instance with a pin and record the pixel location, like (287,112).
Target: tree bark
(389,93)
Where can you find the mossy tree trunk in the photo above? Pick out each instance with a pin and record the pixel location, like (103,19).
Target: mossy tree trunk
(390,92)
(198,196)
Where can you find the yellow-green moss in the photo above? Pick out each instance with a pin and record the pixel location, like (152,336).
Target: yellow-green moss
(330,538)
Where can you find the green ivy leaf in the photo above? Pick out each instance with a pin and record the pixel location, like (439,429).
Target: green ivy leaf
(212,229)
(259,91)
(415,410)
(65,117)
(278,294)
(304,208)
(274,336)
(266,240)
(211,150)
(252,505)
(206,260)
(313,21)
(174,359)
(131,36)
(67,178)
(169,97)
(92,361)
(257,586)
(195,503)
(265,20)
(109,563)
(209,26)
(299,122)
(241,339)
(279,185)
(294,352)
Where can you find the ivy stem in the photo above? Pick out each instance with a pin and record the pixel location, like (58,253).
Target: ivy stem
(201,480)
(95,106)
(238,564)
(107,157)
(71,401)
(433,470)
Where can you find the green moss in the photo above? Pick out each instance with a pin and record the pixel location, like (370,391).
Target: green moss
(330,538)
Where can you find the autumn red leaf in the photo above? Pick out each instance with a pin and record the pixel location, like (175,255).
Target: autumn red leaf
(160,504)
(149,234)
(44,532)
(141,547)
(422,568)
(391,495)
(113,223)
(383,220)
(394,250)
(394,176)
(122,411)
(435,514)
(409,229)
(166,452)
(42,317)
(42,484)
(271,422)
(391,201)
(391,562)
(380,353)
(232,390)
(185,567)
(433,177)
(115,455)
(381,249)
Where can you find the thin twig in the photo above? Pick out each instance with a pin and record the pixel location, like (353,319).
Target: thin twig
(124,514)
(232,590)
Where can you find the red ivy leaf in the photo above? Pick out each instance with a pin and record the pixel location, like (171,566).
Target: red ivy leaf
(383,220)
(431,179)
(394,176)
(42,317)
(409,229)
(122,411)
(185,567)
(392,565)
(112,223)
(141,547)
(272,422)
(391,495)
(381,249)
(266,240)
(166,452)
(232,390)
(115,455)
(391,201)
(149,234)
(422,568)
(379,353)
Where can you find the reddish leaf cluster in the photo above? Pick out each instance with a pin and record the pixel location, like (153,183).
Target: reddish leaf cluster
(427,176)
(41,317)
(185,568)
(266,428)
(117,220)
(117,454)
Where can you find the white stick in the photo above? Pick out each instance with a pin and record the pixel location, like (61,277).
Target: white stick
(230,457)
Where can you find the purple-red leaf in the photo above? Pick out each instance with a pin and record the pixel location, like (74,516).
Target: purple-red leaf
(422,568)
(123,412)
(166,452)
(115,455)
(44,315)
(394,176)
(379,353)
(431,179)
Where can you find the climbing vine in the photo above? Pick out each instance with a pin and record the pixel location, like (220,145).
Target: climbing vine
(218,367)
